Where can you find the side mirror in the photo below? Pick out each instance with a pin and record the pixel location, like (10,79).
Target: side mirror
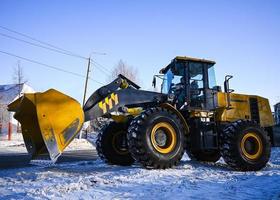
(227,90)
(226,83)
(154,83)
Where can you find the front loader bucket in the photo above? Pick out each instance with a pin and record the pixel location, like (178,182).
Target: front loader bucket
(49,121)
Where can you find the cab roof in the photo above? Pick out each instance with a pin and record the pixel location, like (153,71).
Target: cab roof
(185,58)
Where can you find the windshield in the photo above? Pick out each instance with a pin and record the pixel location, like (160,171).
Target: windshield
(196,75)
(212,77)
(196,78)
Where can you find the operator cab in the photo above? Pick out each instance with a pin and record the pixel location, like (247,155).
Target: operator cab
(192,81)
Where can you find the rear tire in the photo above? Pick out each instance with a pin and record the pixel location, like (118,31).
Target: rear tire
(245,146)
(156,138)
(111,145)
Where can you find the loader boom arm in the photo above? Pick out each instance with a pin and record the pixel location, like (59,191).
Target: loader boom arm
(116,96)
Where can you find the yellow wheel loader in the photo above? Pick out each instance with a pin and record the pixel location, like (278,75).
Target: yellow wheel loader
(191,114)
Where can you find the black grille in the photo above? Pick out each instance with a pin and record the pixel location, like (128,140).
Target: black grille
(254,108)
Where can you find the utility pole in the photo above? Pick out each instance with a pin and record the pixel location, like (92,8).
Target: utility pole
(85,91)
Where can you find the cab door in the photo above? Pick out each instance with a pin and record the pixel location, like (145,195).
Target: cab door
(196,85)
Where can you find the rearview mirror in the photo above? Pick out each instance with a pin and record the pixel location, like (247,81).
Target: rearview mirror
(226,83)
(154,83)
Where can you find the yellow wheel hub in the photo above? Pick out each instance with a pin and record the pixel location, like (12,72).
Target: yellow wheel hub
(251,146)
(163,137)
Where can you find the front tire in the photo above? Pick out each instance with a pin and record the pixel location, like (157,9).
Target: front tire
(111,145)
(156,138)
(245,146)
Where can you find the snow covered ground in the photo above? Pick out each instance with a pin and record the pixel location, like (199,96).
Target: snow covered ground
(17,144)
(96,180)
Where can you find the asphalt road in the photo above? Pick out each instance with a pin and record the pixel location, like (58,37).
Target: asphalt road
(19,159)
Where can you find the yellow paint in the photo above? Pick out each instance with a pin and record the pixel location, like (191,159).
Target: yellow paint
(108,101)
(56,111)
(119,118)
(170,134)
(256,141)
(51,114)
(266,117)
(240,108)
(110,104)
(124,84)
(115,98)
(134,111)
(102,106)
(181,117)
(194,59)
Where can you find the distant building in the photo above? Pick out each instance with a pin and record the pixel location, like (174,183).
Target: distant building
(277,113)
(9,93)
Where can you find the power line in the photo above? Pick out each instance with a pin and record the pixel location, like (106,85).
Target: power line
(41,46)
(96,81)
(53,47)
(45,43)
(48,66)
(107,72)
(102,68)
(58,51)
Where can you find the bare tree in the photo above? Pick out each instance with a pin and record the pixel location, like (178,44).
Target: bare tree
(122,68)
(18,79)
(18,76)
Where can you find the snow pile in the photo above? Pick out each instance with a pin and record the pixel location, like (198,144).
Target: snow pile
(96,180)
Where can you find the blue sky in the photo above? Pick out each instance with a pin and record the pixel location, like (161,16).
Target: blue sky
(241,36)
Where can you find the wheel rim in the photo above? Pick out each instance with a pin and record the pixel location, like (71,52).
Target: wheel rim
(119,143)
(251,146)
(163,137)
